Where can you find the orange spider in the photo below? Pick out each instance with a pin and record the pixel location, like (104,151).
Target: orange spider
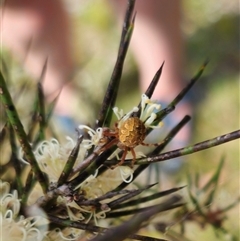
(130,134)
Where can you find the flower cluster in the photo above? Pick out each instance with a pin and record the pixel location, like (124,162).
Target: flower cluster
(147,115)
(52,156)
(95,136)
(15,227)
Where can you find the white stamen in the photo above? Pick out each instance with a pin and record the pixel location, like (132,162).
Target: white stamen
(95,136)
(147,112)
(151,119)
(126,172)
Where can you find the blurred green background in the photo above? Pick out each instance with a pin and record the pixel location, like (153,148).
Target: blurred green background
(211,30)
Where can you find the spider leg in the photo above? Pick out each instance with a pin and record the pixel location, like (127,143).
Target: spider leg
(134,157)
(122,159)
(109,132)
(109,144)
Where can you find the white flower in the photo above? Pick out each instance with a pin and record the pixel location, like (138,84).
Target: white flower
(121,117)
(10,204)
(95,136)
(126,173)
(147,115)
(95,187)
(52,157)
(148,109)
(107,181)
(13,226)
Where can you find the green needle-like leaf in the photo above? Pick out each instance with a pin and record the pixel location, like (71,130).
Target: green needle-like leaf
(128,196)
(154,82)
(15,160)
(118,214)
(36,124)
(232,205)
(214,181)
(189,85)
(161,114)
(146,199)
(41,103)
(105,114)
(38,115)
(150,88)
(95,229)
(30,183)
(196,203)
(70,162)
(3,133)
(42,117)
(47,119)
(132,225)
(196,181)
(14,120)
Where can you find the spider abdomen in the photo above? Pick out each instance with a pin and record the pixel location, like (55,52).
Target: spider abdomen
(132,132)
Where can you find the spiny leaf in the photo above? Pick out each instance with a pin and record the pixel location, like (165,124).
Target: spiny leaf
(170,136)
(38,120)
(180,96)
(70,162)
(96,201)
(4,69)
(232,205)
(146,199)
(196,181)
(215,177)
(196,203)
(161,114)
(30,183)
(137,210)
(41,106)
(3,133)
(95,229)
(132,225)
(14,120)
(15,160)
(48,116)
(150,88)
(38,115)
(154,82)
(214,180)
(128,196)
(41,103)
(105,113)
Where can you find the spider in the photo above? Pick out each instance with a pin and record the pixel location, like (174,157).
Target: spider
(130,134)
